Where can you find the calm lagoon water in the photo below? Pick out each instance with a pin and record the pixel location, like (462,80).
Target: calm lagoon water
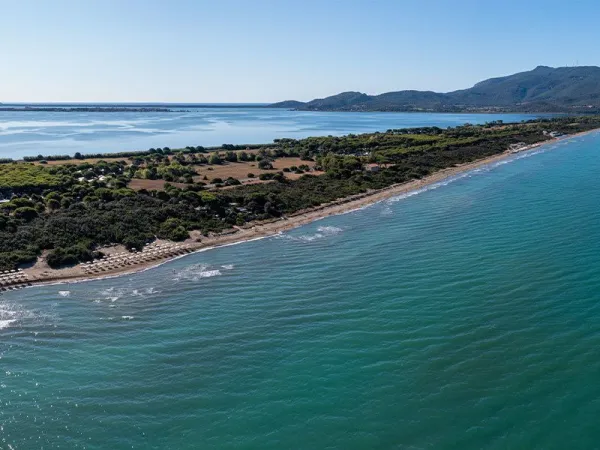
(465,316)
(50,133)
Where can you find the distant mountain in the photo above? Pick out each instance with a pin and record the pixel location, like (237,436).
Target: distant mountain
(543,89)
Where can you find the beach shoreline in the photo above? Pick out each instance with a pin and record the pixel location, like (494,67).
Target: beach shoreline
(41,274)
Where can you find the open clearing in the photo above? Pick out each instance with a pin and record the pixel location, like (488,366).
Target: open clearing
(238,170)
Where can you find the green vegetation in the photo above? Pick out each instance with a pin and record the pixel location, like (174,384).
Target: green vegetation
(543,89)
(69,211)
(27,177)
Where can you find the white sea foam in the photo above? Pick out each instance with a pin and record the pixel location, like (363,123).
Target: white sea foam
(113,294)
(321,233)
(330,230)
(227,266)
(11,313)
(387,211)
(127,317)
(6,323)
(64,293)
(196,272)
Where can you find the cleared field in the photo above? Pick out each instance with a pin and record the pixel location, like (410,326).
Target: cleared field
(240,170)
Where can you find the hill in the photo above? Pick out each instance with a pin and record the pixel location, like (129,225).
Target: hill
(543,89)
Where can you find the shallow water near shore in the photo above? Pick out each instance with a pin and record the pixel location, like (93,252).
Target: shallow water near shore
(463,316)
(29,133)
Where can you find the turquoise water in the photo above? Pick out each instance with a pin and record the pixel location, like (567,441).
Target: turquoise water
(466,316)
(51,133)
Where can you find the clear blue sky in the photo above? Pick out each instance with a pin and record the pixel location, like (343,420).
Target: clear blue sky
(270,50)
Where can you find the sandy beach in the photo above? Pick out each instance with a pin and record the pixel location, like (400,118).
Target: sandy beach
(163,251)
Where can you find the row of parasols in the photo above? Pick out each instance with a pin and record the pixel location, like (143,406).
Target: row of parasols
(150,253)
(13,279)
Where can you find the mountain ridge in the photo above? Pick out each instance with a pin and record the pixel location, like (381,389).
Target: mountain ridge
(543,89)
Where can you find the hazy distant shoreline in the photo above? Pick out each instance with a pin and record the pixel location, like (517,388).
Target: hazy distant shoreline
(115,109)
(122,106)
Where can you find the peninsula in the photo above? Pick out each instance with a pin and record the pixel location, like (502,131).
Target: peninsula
(77,217)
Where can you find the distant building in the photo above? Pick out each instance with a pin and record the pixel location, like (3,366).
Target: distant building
(374,168)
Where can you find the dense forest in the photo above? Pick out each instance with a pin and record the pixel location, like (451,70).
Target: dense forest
(71,209)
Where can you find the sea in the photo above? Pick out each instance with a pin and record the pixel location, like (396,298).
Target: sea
(464,315)
(28,133)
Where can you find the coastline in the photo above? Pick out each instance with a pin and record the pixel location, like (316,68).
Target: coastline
(41,274)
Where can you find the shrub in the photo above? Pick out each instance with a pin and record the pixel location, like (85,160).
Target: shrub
(265,164)
(26,213)
(215,159)
(173,230)
(53,204)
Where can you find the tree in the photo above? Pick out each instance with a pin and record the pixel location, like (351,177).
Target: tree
(53,204)
(231,156)
(215,159)
(26,213)
(174,230)
(265,164)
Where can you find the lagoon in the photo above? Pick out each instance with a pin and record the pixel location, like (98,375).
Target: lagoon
(28,133)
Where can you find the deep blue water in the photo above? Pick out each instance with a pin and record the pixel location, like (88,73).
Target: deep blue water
(50,133)
(465,316)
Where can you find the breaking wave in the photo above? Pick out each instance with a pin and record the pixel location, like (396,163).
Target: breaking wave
(196,272)
(12,313)
(6,323)
(321,233)
(113,294)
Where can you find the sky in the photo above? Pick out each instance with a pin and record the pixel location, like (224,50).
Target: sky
(272,50)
